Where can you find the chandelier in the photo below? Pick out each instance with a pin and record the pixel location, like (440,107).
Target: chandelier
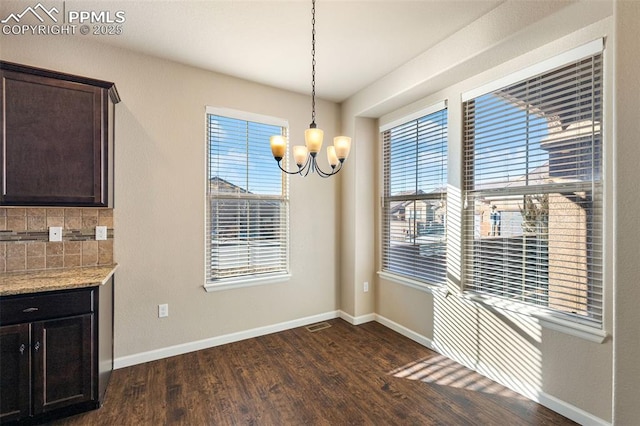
(305,155)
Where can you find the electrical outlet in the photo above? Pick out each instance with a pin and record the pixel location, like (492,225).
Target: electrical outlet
(366,286)
(101,233)
(55,233)
(163,310)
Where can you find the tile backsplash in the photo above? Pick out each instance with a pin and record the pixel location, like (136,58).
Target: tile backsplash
(25,245)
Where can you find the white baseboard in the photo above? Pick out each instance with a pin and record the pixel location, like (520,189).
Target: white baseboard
(424,341)
(357,320)
(140,358)
(572,412)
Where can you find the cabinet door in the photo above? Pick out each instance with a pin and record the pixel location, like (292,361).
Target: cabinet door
(53,142)
(62,351)
(15,360)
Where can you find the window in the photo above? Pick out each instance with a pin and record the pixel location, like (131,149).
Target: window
(414,198)
(534,190)
(247,199)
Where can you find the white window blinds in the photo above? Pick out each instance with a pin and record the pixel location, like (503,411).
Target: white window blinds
(414,198)
(532,175)
(247,201)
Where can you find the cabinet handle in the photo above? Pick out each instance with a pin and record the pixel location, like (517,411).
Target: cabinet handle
(22,347)
(37,346)
(27,310)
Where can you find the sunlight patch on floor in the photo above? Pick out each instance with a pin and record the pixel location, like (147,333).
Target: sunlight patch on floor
(443,371)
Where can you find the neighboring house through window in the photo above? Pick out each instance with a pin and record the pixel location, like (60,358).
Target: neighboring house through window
(247,200)
(533,181)
(414,201)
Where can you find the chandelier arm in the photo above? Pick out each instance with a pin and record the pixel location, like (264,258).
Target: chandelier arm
(287,171)
(323,174)
(297,172)
(308,168)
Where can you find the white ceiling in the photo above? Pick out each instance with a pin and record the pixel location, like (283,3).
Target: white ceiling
(269,42)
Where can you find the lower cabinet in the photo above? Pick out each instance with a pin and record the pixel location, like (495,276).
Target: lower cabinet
(51,365)
(15,371)
(62,365)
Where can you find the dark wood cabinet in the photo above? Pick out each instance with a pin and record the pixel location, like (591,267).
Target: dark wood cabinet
(62,362)
(57,353)
(15,368)
(57,138)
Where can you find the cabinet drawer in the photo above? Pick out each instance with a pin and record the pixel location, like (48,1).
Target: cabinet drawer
(35,307)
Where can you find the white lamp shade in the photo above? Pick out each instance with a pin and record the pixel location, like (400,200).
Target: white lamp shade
(343,146)
(313,139)
(300,154)
(331,156)
(278,146)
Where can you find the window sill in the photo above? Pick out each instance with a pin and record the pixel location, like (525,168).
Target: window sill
(545,319)
(409,282)
(234,283)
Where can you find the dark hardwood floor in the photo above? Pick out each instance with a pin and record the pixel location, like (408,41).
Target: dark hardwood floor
(341,375)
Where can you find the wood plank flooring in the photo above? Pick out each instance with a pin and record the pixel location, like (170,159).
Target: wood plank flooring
(342,375)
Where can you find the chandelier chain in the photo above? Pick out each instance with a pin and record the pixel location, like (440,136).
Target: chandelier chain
(313,63)
(305,155)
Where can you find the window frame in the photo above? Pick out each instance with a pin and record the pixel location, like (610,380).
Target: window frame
(582,327)
(245,280)
(386,199)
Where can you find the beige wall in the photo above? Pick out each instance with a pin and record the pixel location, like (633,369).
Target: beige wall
(627,205)
(159,197)
(357,242)
(159,206)
(556,368)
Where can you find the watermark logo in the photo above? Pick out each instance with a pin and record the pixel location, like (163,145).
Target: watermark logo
(32,11)
(41,20)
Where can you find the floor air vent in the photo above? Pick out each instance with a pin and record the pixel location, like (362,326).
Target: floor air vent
(317,327)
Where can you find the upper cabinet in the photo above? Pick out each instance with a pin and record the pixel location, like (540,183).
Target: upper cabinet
(57,138)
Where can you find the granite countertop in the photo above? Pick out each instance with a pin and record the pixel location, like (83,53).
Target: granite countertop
(54,279)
